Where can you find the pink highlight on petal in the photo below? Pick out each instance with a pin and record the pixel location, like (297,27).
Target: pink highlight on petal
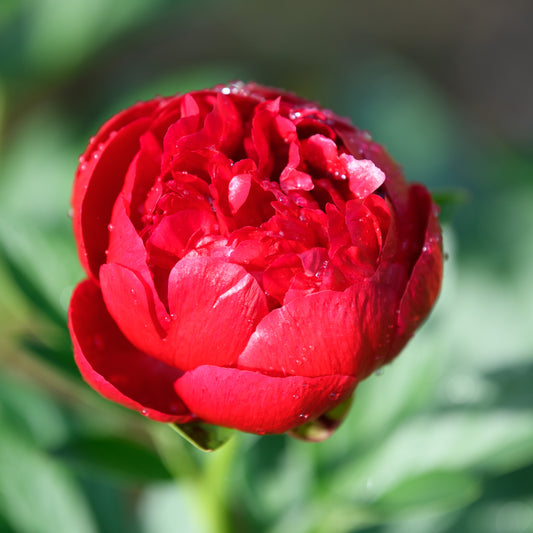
(364,177)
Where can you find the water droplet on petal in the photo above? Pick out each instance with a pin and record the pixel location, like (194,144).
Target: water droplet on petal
(334,395)
(303,416)
(110,227)
(379,372)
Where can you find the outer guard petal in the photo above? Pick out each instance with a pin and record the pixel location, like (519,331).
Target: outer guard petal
(424,283)
(253,402)
(115,368)
(98,182)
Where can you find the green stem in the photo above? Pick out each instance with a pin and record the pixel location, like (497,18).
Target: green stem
(212,487)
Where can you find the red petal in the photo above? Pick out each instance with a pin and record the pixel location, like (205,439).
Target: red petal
(121,120)
(424,283)
(238,190)
(292,179)
(364,177)
(116,369)
(126,248)
(132,304)
(315,335)
(98,183)
(216,306)
(174,233)
(141,176)
(253,402)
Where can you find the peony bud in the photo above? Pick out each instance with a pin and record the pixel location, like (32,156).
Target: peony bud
(250,258)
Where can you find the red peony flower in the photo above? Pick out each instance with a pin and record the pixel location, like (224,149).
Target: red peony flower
(250,256)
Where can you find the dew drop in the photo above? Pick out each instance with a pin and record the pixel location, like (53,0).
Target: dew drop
(144,412)
(303,416)
(298,362)
(334,395)
(260,431)
(110,227)
(379,372)
(296,396)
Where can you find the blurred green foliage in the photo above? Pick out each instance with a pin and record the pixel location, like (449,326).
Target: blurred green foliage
(441,442)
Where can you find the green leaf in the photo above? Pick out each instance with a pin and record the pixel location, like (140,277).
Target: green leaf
(434,491)
(204,436)
(56,350)
(32,413)
(31,290)
(489,442)
(449,201)
(114,456)
(38,495)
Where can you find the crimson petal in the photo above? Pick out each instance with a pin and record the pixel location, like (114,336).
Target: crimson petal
(98,182)
(314,335)
(215,308)
(132,304)
(115,368)
(253,402)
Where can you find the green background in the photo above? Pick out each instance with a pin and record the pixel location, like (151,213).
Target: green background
(442,440)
